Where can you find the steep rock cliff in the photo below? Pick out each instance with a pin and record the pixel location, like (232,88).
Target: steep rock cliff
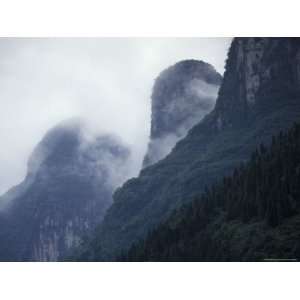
(259,96)
(182,95)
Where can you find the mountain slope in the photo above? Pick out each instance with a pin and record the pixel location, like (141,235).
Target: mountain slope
(259,97)
(66,192)
(182,95)
(252,215)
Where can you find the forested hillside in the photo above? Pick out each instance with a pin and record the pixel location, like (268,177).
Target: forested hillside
(252,215)
(259,97)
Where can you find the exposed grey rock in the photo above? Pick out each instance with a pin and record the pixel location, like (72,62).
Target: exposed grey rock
(258,98)
(182,95)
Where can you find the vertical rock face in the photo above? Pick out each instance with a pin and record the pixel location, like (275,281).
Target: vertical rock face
(259,97)
(182,95)
(262,73)
(67,190)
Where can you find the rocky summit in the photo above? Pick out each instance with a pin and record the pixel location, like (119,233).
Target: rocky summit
(67,190)
(258,98)
(182,95)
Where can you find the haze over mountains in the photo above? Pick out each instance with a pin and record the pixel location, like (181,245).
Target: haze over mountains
(259,96)
(182,95)
(64,208)
(105,81)
(73,173)
(69,184)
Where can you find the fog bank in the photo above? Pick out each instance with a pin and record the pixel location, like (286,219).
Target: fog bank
(105,81)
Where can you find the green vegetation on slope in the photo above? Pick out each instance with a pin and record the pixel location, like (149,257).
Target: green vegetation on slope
(254,214)
(258,98)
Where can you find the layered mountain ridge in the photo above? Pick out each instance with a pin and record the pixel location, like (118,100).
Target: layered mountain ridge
(259,96)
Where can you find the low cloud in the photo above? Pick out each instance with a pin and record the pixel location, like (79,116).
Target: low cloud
(105,81)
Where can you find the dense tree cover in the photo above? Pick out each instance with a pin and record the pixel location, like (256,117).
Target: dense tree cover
(259,96)
(251,215)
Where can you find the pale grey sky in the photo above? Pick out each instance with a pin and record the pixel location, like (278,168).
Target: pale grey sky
(107,81)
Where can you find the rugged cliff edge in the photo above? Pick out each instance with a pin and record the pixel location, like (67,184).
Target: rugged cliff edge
(259,96)
(182,95)
(66,192)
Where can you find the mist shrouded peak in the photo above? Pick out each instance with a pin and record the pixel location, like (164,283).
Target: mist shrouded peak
(69,185)
(71,147)
(262,76)
(63,138)
(96,81)
(182,95)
